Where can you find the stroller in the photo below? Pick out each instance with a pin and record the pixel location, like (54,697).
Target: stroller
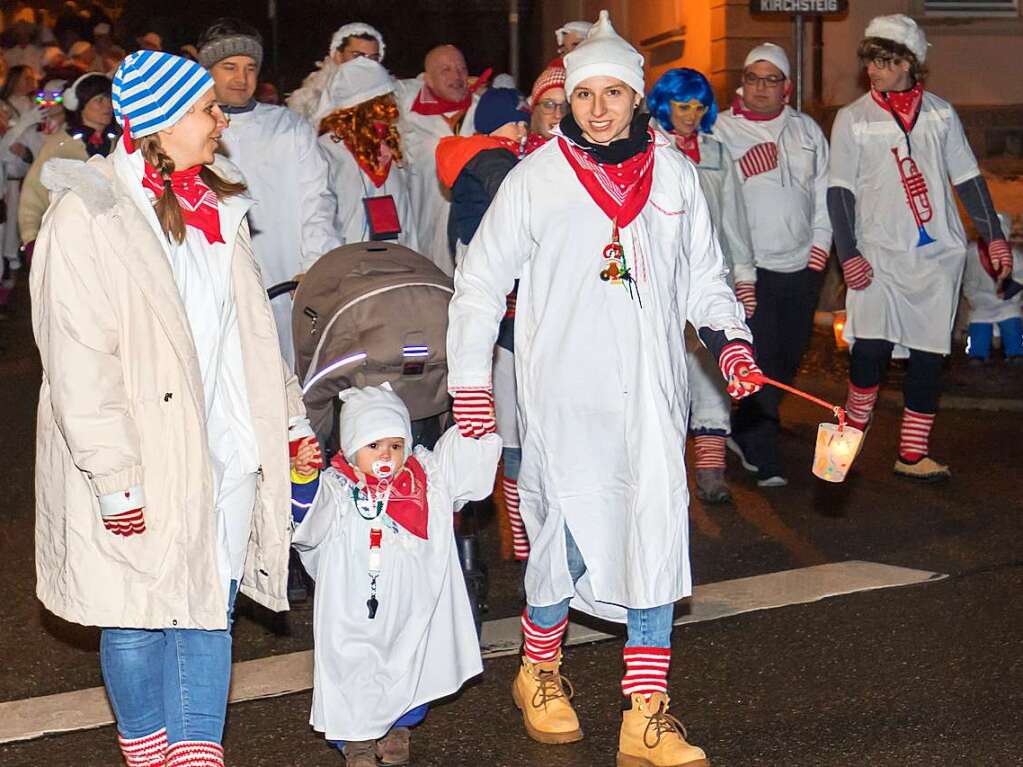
(371,312)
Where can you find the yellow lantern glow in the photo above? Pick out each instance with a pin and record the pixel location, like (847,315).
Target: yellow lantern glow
(836,449)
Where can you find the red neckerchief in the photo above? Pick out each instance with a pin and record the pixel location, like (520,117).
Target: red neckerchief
(689,145)
(739,110)
(96,139)
(534,141)
(429,104)
(904,106)
(622,190)
(407,504)
(376,173)
(198,202)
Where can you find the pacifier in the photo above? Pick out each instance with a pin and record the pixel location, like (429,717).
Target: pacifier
(382,469)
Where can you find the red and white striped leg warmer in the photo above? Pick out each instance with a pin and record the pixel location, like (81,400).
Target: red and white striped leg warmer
(195,753)
(520,543)
(147,751)
(541,645)
(710,451)
(915,435)
(860,404)
(646,670)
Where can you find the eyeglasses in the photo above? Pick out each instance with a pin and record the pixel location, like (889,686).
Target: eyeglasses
(550,106)
(771,81)
(881,62)
(361,55)
(690,107)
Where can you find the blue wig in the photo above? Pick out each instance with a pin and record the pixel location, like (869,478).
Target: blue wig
(682,85)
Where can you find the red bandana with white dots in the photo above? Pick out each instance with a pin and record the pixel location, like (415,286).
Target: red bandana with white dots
(198,202)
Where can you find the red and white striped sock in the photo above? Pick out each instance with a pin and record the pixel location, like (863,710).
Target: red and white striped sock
(860,404)
(541,645)
(915,434)
(520,542)
(147,751)
(646,670)
(195,753)
(710,451)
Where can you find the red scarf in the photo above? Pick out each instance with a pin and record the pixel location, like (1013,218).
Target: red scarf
(621,190)
(689,145)
(429,104)
(904,106)
(407,505)
(739,110)
(534,141)
(198,202)
(376,173)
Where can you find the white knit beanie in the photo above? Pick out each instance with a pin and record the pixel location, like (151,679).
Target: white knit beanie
(578,28)
(604,53)
(355,28)
(900,29)
(772,54)
(371,414)
(357,81)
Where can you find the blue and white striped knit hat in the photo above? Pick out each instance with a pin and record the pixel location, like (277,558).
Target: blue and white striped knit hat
(153,90)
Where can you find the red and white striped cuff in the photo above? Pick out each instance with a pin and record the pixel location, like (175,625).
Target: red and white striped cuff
(195,753)
(746,292)
(539,644)
(734,356)
(759,159)
(1000,253)
(646,670)
(818,259)
(147,751)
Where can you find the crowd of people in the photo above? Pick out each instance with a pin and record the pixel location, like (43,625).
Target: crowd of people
(626,265)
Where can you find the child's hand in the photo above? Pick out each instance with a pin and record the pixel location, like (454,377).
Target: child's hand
(307,459)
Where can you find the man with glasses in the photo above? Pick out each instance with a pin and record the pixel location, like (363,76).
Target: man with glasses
(782,160)
(898,233)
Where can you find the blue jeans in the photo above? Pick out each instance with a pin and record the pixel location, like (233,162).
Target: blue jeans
(173,678)
(981,334)
(647,626)
(512,462)
(408,719)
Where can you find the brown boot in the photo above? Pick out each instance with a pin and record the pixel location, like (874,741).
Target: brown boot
(393,748)
(360,753)
(539,692)
(651,737)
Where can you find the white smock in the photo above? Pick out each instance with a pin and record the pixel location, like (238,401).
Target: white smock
(913,298)
(602,383)
(422,644)
(787,208)
(23,128)
(979,289)
(202,272)
(431,202)
(350,186)
(294,215)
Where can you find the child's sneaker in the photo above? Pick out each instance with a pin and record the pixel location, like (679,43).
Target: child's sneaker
(393,749)
(360,753)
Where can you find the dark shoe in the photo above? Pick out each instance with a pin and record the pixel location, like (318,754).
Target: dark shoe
(360,753)
(977,362)
(736,448)
(393,748)
(711,486)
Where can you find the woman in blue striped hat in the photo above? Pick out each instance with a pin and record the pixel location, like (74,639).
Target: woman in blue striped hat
(165,412)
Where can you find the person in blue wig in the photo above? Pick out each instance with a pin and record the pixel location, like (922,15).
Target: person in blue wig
(682,102)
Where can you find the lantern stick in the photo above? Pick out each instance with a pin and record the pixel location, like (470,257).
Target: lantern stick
(746,375)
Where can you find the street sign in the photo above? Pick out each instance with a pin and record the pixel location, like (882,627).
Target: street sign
(807,7)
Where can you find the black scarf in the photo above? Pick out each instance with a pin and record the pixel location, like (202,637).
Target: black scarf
(617,151)
(230,110)
(79,130)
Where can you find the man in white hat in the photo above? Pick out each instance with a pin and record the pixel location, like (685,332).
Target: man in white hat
(440,102)
(570,35)
(294,219)
(351,41)
(899,237)
(609,235)
(783,166)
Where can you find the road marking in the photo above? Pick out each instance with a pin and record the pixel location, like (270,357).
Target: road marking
(286,674)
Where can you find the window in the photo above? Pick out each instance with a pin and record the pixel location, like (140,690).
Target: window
(971,7)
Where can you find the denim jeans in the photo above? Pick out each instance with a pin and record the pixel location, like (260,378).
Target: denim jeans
(647,626)
(173,678)
(512,462)
(981,334)
(408,719)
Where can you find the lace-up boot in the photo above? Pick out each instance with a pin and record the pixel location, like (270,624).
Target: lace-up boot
(651,737)
(544,697)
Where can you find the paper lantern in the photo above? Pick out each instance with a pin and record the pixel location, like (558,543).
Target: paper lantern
(837,447)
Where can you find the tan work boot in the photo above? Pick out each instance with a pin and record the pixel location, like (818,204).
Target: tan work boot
(924,470)
(360,753)
(651,737)
(539,692)
(393,749)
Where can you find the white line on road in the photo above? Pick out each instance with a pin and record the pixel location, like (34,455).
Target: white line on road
(285,674)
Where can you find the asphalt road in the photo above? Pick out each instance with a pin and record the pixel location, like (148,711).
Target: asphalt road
(922,675)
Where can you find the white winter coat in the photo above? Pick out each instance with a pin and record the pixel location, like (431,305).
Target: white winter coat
(787,208)
(294,218)
(913,298)
(602,391)
(430,200)
(422,644)
(350,186)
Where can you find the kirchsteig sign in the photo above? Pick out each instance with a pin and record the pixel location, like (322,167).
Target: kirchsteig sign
(815,7)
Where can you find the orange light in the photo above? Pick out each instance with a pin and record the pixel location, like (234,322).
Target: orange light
(837,326)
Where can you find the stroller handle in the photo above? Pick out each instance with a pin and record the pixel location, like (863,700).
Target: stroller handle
(281,288)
